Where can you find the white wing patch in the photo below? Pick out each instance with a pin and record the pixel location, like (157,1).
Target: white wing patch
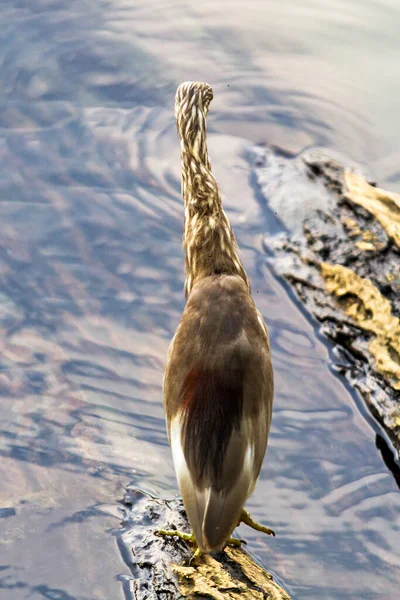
(181,467)
(194,499)
(248,468)
(262,323)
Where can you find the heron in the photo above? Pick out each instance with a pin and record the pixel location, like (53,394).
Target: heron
(218,383)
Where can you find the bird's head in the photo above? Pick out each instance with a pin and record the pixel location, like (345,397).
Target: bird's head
(192,101)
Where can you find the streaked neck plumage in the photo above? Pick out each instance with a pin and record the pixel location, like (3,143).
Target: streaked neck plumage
(209,242)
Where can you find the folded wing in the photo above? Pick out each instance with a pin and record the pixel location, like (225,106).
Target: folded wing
(218,392)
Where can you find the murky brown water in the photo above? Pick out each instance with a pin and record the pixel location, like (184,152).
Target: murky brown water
(92,274)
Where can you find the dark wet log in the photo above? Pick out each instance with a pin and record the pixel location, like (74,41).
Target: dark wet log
(340,250)
(158,564)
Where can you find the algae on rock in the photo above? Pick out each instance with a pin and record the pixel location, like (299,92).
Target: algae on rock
(363,302)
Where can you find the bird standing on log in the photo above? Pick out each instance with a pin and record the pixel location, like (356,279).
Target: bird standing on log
(218,382)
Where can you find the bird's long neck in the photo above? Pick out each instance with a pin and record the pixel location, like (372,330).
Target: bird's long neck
(209,242)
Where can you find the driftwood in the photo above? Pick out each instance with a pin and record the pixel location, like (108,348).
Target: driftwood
(158,564)
(340,250)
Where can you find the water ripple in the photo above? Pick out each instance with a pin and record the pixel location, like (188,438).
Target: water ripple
(92,276)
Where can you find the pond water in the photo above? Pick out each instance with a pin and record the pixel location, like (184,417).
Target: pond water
(92,276)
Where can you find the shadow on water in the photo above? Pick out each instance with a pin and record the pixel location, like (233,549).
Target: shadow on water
(10,584)
(388,458)
(92,274)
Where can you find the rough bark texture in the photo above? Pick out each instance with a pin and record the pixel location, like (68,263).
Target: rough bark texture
(340,250)
(157,564)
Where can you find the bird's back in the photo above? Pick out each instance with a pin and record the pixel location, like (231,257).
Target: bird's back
(218,390)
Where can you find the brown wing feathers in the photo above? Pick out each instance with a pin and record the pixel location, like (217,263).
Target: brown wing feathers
(212,410)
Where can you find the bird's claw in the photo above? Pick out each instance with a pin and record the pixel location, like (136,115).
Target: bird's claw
(235,542)
(246,518)
(194,561)
(186,537)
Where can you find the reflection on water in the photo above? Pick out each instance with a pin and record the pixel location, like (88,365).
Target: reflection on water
(92,275)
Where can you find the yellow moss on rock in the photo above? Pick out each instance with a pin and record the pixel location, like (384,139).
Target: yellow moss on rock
(364,303)
(352,226)
(366,246)
(368,241)
(383,205)
(211,580)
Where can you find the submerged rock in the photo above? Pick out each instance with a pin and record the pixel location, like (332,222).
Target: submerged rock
(159,565)
(340,249)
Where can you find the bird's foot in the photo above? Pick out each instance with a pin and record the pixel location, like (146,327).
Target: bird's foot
(194,561)
(246,518)
(235,543)
(187,537)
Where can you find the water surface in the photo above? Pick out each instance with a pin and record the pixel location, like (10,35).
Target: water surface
(92,276)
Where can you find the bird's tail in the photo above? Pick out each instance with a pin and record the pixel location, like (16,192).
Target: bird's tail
(217,524)
(213,513)
(221,516)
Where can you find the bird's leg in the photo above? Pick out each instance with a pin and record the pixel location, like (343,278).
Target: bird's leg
(246,518)
(187,537)
(196,557)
